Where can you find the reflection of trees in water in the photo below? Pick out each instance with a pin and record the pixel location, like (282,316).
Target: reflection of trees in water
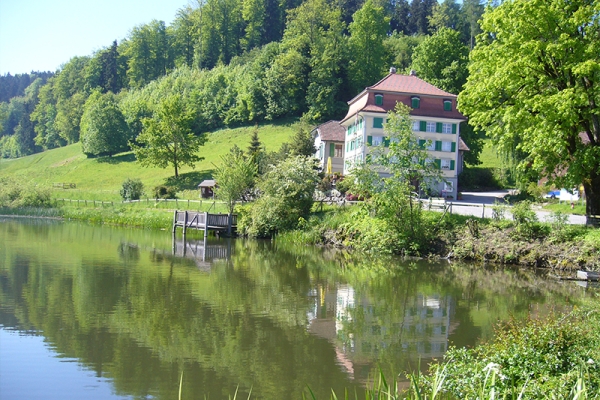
(140,315)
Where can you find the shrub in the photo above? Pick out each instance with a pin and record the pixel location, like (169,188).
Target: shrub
(165,192)
(14,193)
(132,189)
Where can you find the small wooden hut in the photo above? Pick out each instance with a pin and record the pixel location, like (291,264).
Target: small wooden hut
(207,188)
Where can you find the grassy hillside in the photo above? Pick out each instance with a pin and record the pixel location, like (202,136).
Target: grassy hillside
(101,178)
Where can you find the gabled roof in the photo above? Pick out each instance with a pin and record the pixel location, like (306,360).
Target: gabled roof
(401,88)
(410,84)
(331,131)
(462,146)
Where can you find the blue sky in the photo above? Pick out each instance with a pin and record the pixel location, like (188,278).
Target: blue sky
(40,35)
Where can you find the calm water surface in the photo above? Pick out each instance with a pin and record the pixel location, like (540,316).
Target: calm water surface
(107,313)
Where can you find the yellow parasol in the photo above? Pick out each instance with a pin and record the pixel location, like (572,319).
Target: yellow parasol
(329,165)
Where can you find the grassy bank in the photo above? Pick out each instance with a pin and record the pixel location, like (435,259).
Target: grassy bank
(523,242)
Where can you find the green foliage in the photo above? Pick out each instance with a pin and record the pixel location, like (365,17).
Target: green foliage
(543,358)
(302,143)
(165,192)
(235,177)
(15,193)
(441,59)
(168,137)
(132,189)
(391,199)
(533,88)
(286,196)
(367,33)
(103,127)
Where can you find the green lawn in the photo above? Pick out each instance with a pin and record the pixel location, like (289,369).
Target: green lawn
(101,178)
(489,157)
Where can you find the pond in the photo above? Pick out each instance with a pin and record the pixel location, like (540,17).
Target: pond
(104,312)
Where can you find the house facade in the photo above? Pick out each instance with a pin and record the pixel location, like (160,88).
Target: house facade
(330,141)
(435,120)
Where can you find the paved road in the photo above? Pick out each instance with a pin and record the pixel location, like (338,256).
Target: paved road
(479,204)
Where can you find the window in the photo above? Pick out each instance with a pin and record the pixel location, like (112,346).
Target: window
(321,151)
(377,140)
(379,99)
(430,127)
(431,145)
(377,122)
(448,187)
(446,128)
(415,102)
(447,105)
(416,125)
(339,151)
(447,165)
(447,146)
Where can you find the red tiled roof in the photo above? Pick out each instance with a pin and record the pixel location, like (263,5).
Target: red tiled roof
(332,131)
(399,89)
(408,84)
(462,146)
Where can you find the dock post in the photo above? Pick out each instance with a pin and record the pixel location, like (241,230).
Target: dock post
(174,221)
(185,223)
(205,225)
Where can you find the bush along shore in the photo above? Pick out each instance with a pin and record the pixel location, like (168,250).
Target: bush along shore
(520,241)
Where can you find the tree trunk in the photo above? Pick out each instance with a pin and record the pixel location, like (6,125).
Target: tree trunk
(592,199)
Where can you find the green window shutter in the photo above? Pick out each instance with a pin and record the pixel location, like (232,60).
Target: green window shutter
(453,149)
(331,149)
(415,102)
(438,145)
(438,163)
(378,99)
(454,128)
(369,140)
(438,127)
(422,126)
(447,105)
(377,122)
(452,165)
(422,143)
(386,142)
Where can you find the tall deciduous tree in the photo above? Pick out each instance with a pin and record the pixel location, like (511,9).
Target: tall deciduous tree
(367,32)
(235,176)
(103,127)
(168,137)
(534,86)
(441,59)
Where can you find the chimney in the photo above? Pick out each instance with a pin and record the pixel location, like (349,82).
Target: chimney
(393,70)
(413,72)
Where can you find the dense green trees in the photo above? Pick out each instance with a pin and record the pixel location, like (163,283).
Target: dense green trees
(103,127)
(367,33)
(534,85)
(241,62)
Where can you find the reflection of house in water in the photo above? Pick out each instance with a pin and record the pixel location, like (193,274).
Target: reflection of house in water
(203,252)
(361,331)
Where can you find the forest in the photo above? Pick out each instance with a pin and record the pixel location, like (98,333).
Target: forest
(232,63)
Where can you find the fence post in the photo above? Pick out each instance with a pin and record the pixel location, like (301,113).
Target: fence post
(174,221)
(483,211)
(185,222)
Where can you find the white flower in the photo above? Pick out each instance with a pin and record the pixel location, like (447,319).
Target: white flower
(492,367)
(590,361)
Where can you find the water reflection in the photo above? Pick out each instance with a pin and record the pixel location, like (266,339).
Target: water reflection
(137,308)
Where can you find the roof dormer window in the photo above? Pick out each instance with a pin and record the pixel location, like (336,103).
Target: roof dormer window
(415,102)
(447,105)
(378,99)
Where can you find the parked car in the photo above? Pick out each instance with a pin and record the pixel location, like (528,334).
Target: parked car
(553,194)
(563,195)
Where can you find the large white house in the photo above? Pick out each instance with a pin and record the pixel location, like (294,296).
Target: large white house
(434,116)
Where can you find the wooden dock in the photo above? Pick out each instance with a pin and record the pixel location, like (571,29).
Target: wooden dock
(226,223)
